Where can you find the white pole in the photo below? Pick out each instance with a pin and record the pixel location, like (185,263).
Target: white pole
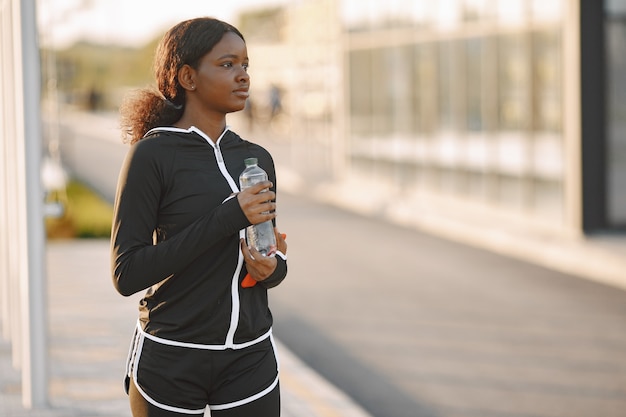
(12,210)
(5,100)
(32,288)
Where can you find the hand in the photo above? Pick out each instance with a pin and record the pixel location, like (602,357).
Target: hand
(281,245)
(259,267)
(258,206)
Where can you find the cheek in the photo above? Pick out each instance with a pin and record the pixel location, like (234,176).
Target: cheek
(219,84)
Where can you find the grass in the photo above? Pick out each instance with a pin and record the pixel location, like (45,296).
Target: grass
(86,215)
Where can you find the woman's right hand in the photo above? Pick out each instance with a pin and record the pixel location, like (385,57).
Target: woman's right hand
(258,206)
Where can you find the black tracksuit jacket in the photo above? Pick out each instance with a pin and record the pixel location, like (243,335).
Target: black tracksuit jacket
(176,232)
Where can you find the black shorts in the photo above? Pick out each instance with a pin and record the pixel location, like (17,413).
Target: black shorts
(186,378)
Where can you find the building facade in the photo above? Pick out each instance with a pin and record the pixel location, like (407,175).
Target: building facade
(511,110)
(460,99)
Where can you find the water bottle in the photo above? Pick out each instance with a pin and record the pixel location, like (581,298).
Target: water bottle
(260,236)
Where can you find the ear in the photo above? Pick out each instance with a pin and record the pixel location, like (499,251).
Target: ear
(186,76)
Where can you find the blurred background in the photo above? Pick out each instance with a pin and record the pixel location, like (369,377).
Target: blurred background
(496,106)
(496,124)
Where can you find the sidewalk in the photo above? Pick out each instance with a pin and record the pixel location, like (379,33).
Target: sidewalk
(90,327)
(600,257)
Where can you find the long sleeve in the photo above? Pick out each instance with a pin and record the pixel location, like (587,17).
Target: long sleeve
(138,263)
(279,274)
(176,232)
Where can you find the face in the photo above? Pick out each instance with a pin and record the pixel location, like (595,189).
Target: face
(221,80)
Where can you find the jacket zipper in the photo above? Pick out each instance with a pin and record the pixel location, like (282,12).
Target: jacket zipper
(234,290)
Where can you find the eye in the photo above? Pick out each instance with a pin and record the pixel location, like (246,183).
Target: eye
(227,64)
(246,66)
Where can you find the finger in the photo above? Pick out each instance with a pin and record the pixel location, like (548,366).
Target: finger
(281,245)
(250,253)
(253,195)
(266,200)
(279,236)
(261,205)
(255,254)
(269,206)
(245,250)
(263,185)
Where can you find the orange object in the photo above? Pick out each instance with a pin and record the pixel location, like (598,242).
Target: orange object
(248,281)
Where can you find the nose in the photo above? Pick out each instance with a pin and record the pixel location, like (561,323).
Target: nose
(243,75)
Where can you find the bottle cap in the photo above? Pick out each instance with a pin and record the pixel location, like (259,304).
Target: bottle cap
(250,161)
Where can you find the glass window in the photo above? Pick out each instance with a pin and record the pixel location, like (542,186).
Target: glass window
(360,91)
(546,10)
(425,88)
(615,7)
(511,11)
(513,83)
(397,13)
(448,13)
(473,84)
(479,79)
(512,192)
(378,12)
(381,85)
(446,80)
(615,32)
(422,12)
(477,10)
(355,14)
(477,185)
(401,78)
(547,81)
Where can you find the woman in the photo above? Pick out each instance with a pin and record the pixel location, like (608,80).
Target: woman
(202,337)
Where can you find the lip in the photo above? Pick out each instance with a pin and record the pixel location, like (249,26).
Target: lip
(242,92)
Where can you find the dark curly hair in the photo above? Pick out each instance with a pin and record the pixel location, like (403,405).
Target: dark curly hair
(184,44)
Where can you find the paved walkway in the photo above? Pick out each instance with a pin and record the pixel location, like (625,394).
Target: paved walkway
(90,326)
(412,325)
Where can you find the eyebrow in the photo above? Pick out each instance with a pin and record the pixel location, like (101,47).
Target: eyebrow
(232,56)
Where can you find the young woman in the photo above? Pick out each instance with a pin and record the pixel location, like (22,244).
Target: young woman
(202,337)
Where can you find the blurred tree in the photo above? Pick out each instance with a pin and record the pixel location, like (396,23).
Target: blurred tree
(87,70)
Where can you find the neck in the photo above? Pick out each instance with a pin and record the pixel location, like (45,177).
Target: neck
(212,126)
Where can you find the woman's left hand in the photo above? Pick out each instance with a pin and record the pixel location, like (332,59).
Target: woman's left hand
(259,267)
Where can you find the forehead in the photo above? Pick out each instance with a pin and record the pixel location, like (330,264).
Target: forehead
(230,44)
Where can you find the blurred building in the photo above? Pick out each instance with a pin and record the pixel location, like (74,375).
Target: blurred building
(511,110)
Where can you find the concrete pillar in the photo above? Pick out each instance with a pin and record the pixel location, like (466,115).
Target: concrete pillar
(33,306)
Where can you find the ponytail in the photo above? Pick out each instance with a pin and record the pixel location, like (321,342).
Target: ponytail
(144,110)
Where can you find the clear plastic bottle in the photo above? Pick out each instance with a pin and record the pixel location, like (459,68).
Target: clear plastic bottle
(260,236)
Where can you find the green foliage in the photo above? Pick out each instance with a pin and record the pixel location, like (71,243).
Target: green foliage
(86,215)
(107,70)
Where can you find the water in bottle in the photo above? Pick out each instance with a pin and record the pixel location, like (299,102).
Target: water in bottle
(260,236)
